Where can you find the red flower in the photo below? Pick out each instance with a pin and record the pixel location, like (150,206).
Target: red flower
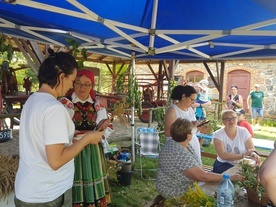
(77,116)
(91,116)
(63,101)
(70,105)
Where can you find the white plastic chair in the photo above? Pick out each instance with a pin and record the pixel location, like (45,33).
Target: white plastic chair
(147,140)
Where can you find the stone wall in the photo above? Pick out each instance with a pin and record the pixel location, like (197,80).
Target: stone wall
(262,72)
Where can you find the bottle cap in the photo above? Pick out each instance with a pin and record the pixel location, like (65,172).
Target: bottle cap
(226,176)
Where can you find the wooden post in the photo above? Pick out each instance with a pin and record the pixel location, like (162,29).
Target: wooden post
(1,105)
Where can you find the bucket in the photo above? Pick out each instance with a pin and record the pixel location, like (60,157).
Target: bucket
(126,167)
(124,178)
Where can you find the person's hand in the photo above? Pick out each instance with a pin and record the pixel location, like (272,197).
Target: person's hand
(236,177)
(256,157)
(249,152)
(195,105)
(94,136)
(103,124)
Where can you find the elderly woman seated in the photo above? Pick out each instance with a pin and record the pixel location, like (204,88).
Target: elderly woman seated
(232,143)
(178,166)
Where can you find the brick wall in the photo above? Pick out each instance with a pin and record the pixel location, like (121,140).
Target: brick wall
(262,72)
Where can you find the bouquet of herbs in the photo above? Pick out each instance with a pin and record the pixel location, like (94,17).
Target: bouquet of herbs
(194,197)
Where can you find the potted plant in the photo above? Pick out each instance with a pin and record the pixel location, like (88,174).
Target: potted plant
(255,191)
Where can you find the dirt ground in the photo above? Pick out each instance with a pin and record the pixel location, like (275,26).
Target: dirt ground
(121,137)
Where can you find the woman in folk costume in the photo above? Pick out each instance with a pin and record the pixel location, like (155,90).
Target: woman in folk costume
(91,187)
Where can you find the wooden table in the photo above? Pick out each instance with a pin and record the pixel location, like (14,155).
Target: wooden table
(11,100)
(10,112)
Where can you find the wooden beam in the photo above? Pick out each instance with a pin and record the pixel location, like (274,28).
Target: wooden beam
(28,49)
(168,72)
(212,76)
(36,48)
(151,69)
(30,62)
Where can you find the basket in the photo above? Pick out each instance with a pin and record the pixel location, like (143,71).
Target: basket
(253,198)
(126,165)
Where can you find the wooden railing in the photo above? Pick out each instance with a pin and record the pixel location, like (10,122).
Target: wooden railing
(11,117)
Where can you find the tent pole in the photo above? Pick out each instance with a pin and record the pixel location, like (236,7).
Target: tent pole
(132,110)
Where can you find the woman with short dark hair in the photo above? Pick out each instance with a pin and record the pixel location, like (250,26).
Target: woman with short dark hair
(46,166)
(184,98)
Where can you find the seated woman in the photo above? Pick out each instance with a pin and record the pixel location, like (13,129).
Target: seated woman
(232,143)
(178,165)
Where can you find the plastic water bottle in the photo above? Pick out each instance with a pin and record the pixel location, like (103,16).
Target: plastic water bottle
(226,192)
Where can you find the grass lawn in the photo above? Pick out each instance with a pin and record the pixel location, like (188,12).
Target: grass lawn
(142,191)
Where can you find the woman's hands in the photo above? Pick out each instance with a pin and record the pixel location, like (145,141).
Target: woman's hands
(103,124)
(248,152)
(256,157)
(236,177)
(94,136)
(253,155)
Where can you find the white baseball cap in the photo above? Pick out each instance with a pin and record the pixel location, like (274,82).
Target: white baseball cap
(204,82)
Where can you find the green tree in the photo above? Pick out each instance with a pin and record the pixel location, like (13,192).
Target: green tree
(17,62)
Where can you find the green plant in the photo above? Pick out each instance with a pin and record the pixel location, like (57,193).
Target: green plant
(131,91)
(194,197)
(120,83)
(214,124)
(269,122)
(5,48)
(74,48)
(6,52)
(133,94)
(251,179)
(159,115)
(171,87)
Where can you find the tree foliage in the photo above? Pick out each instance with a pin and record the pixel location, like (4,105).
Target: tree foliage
(5,47)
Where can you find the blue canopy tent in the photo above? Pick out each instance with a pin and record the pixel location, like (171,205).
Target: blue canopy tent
(154,29)
(197,30)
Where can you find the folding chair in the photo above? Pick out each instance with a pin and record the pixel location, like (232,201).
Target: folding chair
(147,140)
